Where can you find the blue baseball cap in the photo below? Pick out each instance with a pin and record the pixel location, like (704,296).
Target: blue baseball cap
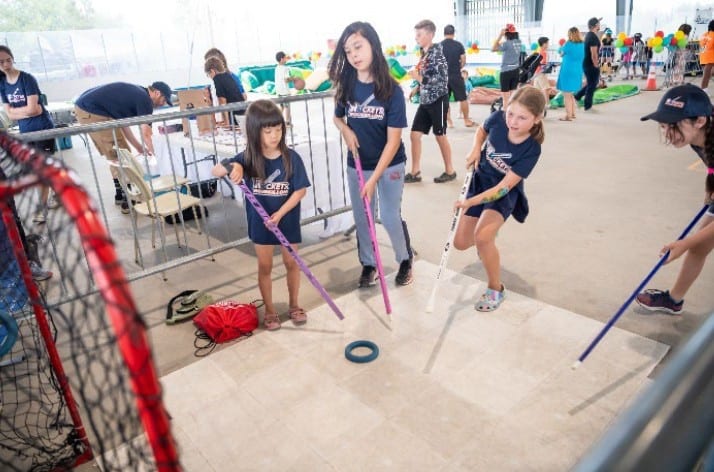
(681,102)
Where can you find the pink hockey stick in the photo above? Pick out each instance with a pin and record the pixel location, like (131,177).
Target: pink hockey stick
(372,234)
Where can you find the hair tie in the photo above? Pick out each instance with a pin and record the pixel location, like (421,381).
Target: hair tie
(710,170)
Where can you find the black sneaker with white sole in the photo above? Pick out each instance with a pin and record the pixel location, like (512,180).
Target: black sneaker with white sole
(368,277)
(404,276)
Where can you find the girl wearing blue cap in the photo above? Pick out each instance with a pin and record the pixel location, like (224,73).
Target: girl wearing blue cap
(685,118)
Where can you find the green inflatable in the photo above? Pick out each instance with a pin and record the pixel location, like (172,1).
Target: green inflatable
(613,92)
(249,80)
(396,69)
(483,81)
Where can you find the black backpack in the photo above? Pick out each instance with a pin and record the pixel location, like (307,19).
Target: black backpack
(528,68)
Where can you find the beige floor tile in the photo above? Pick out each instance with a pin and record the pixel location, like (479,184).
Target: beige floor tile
(387,386)
(286,383)
(310,461)
(444,420)
(191,457)
(495,386)
(325,419)
(194,386)
(329,359)
(242,360)
(386,447)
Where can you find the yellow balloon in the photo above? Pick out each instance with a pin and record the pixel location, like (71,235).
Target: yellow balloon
(650,42)
(679,34)
(657,41)
(621,36)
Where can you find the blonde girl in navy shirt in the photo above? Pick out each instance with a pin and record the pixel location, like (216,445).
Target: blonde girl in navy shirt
(276,175)
(512,139)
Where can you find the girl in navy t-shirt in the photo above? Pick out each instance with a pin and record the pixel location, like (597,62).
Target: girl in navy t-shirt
(370,112)
(512,141)
(21,97)
(276,175)
(686,118)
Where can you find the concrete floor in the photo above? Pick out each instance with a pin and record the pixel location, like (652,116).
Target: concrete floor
(605,196)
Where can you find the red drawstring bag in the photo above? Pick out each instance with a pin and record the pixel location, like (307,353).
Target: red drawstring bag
(222,322)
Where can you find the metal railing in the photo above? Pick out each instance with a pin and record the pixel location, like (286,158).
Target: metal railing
(312,134)
(670,426)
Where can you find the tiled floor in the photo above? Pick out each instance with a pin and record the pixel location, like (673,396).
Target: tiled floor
(453,390)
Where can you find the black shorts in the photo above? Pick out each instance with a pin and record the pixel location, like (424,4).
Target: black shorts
(48,145)
(457,87)
(509,80)
(432,116)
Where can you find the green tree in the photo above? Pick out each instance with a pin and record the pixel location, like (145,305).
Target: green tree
(46,15)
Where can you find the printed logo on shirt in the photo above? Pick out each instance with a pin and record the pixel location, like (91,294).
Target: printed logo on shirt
(497,159)
(273,176)
(365,110)
(16,97)
(270,188)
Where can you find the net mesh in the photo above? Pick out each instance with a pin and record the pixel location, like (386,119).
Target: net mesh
(77,378)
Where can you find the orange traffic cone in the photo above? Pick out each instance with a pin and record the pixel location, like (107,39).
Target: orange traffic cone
(651,85)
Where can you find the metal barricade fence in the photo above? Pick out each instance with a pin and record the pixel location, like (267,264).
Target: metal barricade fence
(188,152)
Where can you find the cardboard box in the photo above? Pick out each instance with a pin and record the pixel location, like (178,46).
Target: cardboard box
(192,99)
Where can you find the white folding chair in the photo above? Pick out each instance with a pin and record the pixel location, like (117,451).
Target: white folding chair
(155,206)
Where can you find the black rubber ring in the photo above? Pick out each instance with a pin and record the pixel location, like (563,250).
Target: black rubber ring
(361,359)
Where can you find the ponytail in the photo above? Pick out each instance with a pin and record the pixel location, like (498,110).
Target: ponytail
(709,156)
(538,132)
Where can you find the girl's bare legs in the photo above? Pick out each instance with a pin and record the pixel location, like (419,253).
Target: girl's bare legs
(415,138)
(693,263)
(265,281)
(707,75)
(464,236)
(485,238)
(569,102)
(293,275)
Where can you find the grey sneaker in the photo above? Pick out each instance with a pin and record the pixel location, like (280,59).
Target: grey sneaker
(444,177)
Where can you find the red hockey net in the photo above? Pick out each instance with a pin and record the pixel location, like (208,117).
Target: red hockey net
(77,378)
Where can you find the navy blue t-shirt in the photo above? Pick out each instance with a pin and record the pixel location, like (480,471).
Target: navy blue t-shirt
(499,155)
(16,95)
(369,118)
(272,193)
(116,100)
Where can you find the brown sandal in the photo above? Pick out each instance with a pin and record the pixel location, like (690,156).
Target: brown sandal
(271,321)
(297,315)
